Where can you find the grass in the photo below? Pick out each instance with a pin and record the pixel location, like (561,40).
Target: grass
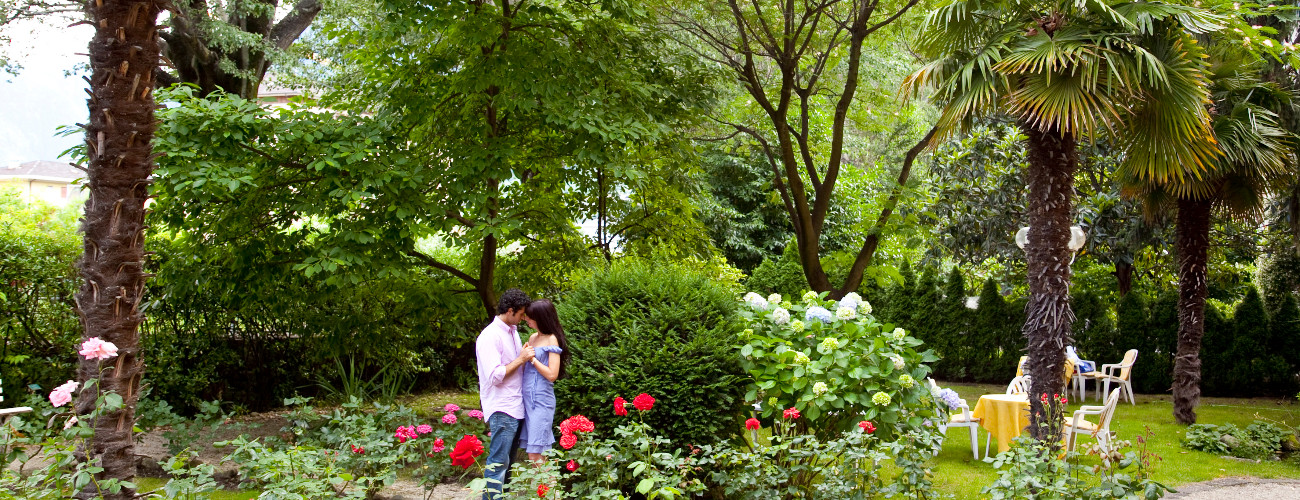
(956,473)
(150,484)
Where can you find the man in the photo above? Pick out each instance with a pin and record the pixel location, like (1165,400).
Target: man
(500,386)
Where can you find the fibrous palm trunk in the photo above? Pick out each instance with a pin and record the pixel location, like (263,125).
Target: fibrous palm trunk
(1053,157)
(123,57)
(1193,244)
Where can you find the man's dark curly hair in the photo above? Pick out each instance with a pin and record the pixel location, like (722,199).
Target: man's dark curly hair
(513,299)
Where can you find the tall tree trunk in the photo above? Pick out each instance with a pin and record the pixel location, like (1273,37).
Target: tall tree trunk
(1193,244)
(1053,157)
(123,58)
(1123,276)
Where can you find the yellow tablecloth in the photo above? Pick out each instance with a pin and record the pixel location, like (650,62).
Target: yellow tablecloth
(1003,415)
(1069,370)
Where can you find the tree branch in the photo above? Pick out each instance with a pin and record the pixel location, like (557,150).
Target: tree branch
(435,263)
(293,25)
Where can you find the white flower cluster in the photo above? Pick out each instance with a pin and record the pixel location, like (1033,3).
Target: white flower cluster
(907,381)
(811,297)
(830,343)
(774,299)
(755,300)
(851,300)
(864,308)
(818,313)
(897,360)
(780,316)
(845,314)
(820,388)
(880,399)
(797,326)
(800,358)
(898,334)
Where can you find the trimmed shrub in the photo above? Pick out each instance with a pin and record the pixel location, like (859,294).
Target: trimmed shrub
(1249,354)
(783,275)
(1094,331)
(1283,335)
(952,330)
(661,328)
(1216,361)
(1156,344)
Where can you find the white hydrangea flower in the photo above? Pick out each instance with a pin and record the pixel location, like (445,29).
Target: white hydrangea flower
(850,301)
(800,358)
(830,343)
(747,333)
(780,316)
(820,388)
(907,381)
(774,299)
(811,296)
(864,308)
(897,360)
(898,334)
(755,300)
(845,314)
(880,399)
(797,326)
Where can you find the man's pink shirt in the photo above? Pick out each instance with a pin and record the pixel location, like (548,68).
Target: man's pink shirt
(496,347)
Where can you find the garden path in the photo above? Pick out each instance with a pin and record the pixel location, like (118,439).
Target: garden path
(1239,488)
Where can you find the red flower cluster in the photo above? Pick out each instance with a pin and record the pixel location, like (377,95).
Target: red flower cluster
(620,406)
(404,433)
(572,466)
(576,423)
(467,449)
(791,413)
(867,427)
(438,445)
(360,450)
(643,402)
(542,489)
(752,424)
(1059,398)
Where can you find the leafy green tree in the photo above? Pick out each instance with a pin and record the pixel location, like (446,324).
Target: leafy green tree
(1067,71)
(742,219)
(799,69)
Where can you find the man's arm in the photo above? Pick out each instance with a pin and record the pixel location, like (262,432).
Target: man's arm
(489,353)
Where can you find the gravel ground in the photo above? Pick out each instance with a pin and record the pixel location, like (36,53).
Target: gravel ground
(1240,488)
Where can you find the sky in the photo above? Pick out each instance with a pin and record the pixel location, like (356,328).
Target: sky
(41,98)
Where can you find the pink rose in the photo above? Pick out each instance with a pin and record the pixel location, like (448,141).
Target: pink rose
(450,408)
(98,349)
(61,395)
(449,418)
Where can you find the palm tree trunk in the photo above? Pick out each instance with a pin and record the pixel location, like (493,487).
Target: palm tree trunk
(1053,157)
(1193,243)
(123,58)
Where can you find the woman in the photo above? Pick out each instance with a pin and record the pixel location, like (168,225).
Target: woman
(539,377)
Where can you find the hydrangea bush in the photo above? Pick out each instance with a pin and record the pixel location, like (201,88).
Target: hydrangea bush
(834,363)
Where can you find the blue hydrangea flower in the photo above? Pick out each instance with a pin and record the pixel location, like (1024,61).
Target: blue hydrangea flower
(818,313)
(950,398)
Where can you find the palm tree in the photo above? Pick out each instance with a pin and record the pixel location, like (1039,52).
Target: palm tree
(124,55)
(1069,70)
(1254,162)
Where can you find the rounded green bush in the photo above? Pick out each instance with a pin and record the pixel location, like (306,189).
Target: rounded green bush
(664,329)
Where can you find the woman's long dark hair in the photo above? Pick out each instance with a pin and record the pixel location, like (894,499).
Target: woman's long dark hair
(542,312)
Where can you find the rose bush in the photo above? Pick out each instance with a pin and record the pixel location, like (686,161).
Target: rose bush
(835,368)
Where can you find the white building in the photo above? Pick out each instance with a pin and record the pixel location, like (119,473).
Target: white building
(54,182)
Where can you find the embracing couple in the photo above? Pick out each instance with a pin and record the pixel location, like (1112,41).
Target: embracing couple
(516,382)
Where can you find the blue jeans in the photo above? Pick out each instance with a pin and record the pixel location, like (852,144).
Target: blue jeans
(501,449)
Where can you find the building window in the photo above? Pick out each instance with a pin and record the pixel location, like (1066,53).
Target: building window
(63,191)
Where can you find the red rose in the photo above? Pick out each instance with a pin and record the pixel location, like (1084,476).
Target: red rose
(620,406)
(568,440)
(867,427)
(572,466)
(643,402)
(576,423)
(752,424)
(791,413)
(542,489)
(468,448)
(360,450)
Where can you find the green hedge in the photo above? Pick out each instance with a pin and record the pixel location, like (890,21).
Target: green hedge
(664,329)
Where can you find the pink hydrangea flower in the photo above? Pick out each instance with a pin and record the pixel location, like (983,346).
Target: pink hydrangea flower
(450,408)
(98,349)
(423,429)
(62,394)
(476,414)
(449,418)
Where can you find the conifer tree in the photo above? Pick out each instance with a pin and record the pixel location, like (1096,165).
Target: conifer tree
(1249,344)
(989,358)
(953,331)
(1154,372)
(896,307)
(1215,346)
(1280,363)
(924,308)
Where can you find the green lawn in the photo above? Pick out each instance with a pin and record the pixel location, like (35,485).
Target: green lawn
(956,473)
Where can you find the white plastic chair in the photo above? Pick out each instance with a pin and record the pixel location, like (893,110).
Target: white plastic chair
(1120,373)
(5,413)
(1019,385)
(963,419)
(1080,380)
(1101,430)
